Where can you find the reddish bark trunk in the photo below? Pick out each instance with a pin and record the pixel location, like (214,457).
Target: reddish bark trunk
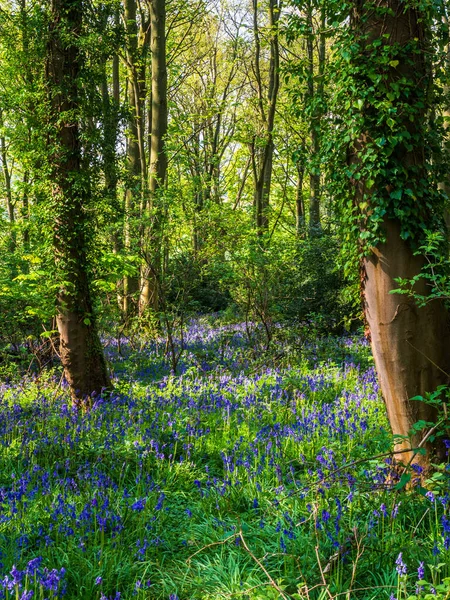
(411,345)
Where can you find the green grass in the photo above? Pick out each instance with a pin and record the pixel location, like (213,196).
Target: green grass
(223,482)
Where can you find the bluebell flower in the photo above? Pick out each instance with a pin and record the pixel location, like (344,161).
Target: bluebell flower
(160,502)
(50,580)
(139,505)
(16,575)
(325,516)
(7,583)
(421,570)
(401,566)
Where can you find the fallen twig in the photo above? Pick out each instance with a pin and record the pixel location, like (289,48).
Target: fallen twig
(231,537)
(259,563)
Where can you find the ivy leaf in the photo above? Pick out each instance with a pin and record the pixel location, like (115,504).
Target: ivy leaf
(396,195)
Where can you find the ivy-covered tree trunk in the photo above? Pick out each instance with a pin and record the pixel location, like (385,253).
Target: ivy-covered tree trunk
(395,197)
(80,348)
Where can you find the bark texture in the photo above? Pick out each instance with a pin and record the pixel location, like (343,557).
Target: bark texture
(158,155)
(411,345)
(133,192)
(80,348)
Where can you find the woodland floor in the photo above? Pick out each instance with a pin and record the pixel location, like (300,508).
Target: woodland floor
(250,474)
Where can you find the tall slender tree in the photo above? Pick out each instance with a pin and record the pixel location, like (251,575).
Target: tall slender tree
(262,150)
(133,193)
(158,154)
(315,93)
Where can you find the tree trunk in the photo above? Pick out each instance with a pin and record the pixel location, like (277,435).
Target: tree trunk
(445,185)
(111,121)
(262,159)
(410,344)
(315,94)
(80,348)
(25,214)
(299,201)
(158,155)
(9,199)
(28,74)
(133,192)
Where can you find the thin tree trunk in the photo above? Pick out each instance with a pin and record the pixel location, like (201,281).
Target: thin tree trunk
(80,348)
(8,189)
(25,213)
(158,155)
(25,210)
(262,159)
(445,185)
(133,192)
(118,240)
(299,200)
(315,93)
(111,108)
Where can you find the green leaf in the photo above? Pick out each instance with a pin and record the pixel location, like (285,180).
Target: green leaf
(404,480)
(396,195)
(48,334)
